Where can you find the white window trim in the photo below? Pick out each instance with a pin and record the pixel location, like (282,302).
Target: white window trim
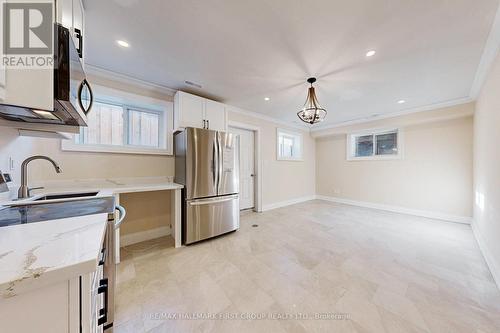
(294,133)
(350,145)
(129,100)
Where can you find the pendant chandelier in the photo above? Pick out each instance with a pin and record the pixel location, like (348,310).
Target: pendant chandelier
(312,112)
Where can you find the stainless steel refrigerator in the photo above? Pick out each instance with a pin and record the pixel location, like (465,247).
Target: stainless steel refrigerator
(207,164)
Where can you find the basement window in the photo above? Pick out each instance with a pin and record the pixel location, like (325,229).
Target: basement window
(289,145)
(374,145)
(118,125)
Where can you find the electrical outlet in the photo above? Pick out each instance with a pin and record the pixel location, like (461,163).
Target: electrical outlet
(336,191)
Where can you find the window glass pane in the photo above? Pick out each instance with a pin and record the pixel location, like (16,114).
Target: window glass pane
(363,145)
(387,144)
(144,128)
(289,146)
(105,125)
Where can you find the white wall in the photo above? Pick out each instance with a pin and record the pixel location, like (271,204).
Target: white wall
(283,181)
(486,220)
(434,176)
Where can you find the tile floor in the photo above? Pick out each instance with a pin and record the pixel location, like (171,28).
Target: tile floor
(364,270)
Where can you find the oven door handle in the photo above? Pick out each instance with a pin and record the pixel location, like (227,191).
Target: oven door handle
(123,213)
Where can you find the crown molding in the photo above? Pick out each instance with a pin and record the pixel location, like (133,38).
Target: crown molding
(488,57)
(122,78)
(428,107)
(261,116)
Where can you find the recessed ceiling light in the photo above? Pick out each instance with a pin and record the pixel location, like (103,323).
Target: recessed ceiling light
(401,101)
(370,53)
(267,98)
(123,43)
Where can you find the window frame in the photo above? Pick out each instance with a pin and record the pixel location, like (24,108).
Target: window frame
(290,133)
(130,101)
(351,148)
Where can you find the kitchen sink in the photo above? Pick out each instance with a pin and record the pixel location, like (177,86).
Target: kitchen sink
(66,196)
(50,198)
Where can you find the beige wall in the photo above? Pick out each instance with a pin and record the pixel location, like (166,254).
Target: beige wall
(486,220)
(145,211)
(282,180)
(434,175)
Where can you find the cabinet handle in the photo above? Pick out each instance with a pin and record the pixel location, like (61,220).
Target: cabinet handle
(103,288)
(208,124)
(78,34)
(104,253)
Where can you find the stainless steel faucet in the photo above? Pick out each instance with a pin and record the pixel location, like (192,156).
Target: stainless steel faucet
(24,190)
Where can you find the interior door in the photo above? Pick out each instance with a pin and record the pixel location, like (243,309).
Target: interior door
(201,163)
(215,114)
(247,167)
(228,179)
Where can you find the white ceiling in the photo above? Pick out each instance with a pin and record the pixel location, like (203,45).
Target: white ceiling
(241,51)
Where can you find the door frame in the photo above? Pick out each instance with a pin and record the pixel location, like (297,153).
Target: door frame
(257,160)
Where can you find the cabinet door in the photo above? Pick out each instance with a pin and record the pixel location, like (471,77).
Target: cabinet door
(78,25)
(65,13)
(215,114)
(189,110)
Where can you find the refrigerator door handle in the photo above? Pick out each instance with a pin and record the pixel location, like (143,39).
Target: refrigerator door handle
(221,163)
(213,200)
(217,162)
(214,164)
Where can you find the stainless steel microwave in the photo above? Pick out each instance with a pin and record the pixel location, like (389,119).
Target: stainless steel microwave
(72,92)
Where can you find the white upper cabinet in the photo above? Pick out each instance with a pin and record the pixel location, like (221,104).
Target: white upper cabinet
(215,115)
(70,14)
(78,26)
(65,13)
(188,111)
(194,111)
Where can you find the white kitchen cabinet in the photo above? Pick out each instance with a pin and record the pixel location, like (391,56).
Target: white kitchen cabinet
(78,26)
(195,111)
(65,13)
(70,13)
(188,110)
(67,306)
(215,115)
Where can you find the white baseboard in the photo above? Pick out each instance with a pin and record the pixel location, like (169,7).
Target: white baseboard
(398,209)
(287,202)
(145,235)
(493,265)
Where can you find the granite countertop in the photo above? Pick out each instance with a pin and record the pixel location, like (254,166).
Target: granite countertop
(59,247)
